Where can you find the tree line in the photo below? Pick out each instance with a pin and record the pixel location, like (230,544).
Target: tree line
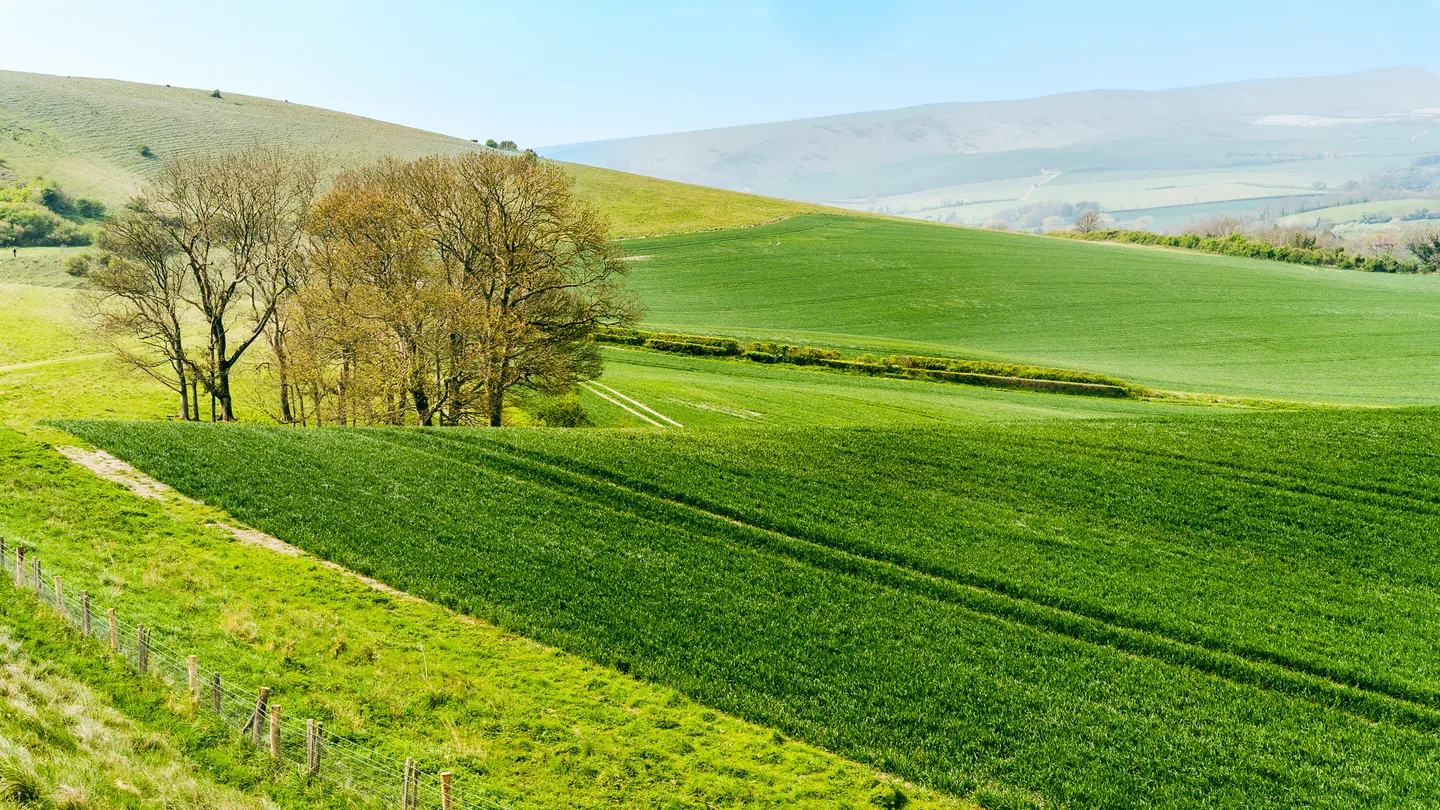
(409,292)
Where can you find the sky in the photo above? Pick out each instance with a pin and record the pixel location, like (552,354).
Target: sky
(545,72)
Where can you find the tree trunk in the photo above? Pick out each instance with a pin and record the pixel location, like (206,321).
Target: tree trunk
(195,398)
(495,404)
(282,371)
(184,391)
(222,392)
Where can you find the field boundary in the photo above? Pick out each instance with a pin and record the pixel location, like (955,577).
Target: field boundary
(305,745)
(982,373)
(1372,701)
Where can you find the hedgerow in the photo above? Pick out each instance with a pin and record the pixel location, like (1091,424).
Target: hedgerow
(1241,246)
(940,369)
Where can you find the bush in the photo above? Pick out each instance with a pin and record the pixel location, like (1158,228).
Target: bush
(144,151)
(35,226)
(89,209)
(79,265)
(564,412)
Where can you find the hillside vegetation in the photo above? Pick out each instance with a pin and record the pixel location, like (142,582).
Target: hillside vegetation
(515,721)
(99,138)
(1163,319)
(1088,613)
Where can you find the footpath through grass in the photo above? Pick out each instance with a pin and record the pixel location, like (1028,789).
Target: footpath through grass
(525,724)
(1164,319)
(1191,613)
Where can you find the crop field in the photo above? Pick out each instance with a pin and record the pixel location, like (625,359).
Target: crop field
(1163,613)
(515,720)
(1158,318)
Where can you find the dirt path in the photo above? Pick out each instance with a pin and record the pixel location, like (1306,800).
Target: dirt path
(113,469)
(37,363)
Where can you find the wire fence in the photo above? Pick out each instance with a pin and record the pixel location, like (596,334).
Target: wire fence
(303,743)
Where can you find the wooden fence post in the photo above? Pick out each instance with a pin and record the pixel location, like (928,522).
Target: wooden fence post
(407,791)
(275,731)
(85,613)
(319,745)
(39,579)
(215,693)
(192,665)
(262,704)
(142,642)
(114,631)
(19,566)
(447,799)
(310,746)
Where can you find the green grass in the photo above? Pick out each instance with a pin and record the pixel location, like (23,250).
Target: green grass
(706,393)
(528,724)
(1157,318)
(1185,613)
(80,729)
(85,133)
(39,266)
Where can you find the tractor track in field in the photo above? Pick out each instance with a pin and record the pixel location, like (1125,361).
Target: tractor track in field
(1375,701)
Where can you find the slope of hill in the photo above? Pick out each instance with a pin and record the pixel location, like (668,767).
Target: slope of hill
(1160,318)
(1125,149)
(87,134)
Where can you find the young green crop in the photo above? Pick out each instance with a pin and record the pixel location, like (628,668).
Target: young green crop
(527,724)
(1159,318)
(937,603)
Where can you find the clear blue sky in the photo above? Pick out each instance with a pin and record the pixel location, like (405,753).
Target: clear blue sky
(548,72)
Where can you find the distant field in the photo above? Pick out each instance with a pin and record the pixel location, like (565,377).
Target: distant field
(1163,614)
(1158,318)
(1350,213)
(86,134)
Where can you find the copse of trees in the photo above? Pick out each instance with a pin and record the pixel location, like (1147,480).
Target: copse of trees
(422,292)
(441,285)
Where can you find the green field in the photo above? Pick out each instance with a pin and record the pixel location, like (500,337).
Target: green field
(1158,318)
(514,720)
(1177,610)
(86,133)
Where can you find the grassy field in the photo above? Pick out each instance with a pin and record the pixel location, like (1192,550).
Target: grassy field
(79,729)
(523,723)
(72,376)
(706,393)
(1183,613)
(1158,318)
(86,134)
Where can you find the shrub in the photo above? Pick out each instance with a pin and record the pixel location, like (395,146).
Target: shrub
(216,94)
(89,209)
(144,151)
(564,412)
(34,226)
(79,265)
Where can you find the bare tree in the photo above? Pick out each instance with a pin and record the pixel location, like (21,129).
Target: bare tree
(134,294)
(1089,221)
(236,221)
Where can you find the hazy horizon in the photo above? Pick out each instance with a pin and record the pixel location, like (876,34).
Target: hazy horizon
(555,73)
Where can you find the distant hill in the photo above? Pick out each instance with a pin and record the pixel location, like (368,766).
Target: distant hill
(1128,150)
(87,134)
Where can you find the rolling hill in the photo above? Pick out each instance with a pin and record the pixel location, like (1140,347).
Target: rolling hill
(1163,318)
(1128,150)
(86,134)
